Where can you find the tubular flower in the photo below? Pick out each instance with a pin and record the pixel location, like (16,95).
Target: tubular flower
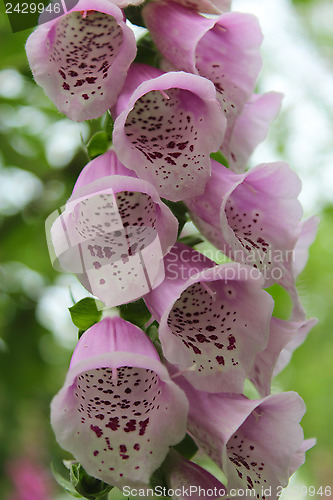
(254,218)
(225,49)
(306,235)
(250,129)
(167,125)
(118,411)
(113,232)
(81,58)
(189,479)
(206,6)
(257,443)
(213,319)
(284,338)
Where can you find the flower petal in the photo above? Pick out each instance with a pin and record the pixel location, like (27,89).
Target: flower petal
(256,442)
(212,322)
(103,166)
(190,479)
(225,49)
(118,411)
(113,234)
(80,67)
(168,129)
(207,6)
(250,129)
(308,232)
(284,338)
(259,216)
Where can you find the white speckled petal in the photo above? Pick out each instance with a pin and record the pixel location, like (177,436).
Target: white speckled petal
(258,443)
(259,216)
(118,411)
(113,234)
(167,131)
(213,321)
(81,58)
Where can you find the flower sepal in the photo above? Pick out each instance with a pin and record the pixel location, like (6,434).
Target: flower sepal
(87,486)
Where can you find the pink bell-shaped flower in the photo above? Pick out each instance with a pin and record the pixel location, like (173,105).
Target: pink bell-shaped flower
(258,443)
(81,58)
(113,232)
(167,125)
(118,410)
(213,319)
(224,49)
(284,338)
(254,218)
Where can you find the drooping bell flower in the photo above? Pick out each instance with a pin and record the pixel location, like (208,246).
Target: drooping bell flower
(213,319)
(224,49)
(250,129)
(284,338)
(118,410)
(188,480)
(167,125)
(81,58)
(254,218)
(306,234)
(206,6)
(113,232)
(257,443)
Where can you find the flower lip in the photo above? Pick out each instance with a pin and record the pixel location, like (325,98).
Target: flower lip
(116,403)
(114,231)
(81,69)
(207,321)
(162,133)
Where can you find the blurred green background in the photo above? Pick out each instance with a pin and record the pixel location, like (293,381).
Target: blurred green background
(42,153)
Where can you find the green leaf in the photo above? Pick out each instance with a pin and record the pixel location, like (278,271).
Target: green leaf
(187,447)
(98,144)
(147,52)
(86,313)
(108,125)
(134,15)
(64,483)
(87,486)
(218,156)
(179,210)
(135,312)
(191,240)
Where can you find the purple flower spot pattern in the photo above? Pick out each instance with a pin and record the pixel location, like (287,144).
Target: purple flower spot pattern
(248,465)
(83,48)
(229,93)
(196,315)
(112,230)
(248,228)
(117,406)
(165,131)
